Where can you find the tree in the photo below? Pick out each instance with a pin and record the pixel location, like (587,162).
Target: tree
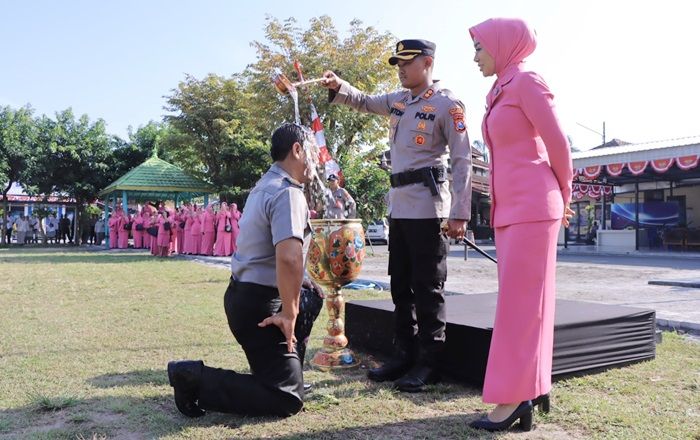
(17,152)
(213,136)
(367,183)
(360,58)
(142,143)
(75,159)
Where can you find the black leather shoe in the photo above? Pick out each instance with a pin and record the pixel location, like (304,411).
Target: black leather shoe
(184,378)
(391,370)
(417,378)
(543,403)
(522,412)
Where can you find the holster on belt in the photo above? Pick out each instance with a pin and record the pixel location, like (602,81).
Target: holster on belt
(429,176)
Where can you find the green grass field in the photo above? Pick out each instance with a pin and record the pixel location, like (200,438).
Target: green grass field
(86,337)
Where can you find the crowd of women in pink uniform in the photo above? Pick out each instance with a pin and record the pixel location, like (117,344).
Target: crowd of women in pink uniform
(187,230)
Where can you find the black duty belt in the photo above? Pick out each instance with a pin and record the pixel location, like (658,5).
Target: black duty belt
(428,176)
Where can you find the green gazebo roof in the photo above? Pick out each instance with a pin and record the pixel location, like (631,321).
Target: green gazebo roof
(156,179)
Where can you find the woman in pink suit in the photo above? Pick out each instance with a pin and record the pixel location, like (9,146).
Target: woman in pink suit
(174,229)
(196,232)
(208,231)
(137,230)
(188,232)
(123,230)
(181,222)
(235,216)
(164,232)
(155,222)
(146,222)
(531,173)
(113,225)
(224,227)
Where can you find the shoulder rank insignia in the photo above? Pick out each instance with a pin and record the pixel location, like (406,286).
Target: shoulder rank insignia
(428,93)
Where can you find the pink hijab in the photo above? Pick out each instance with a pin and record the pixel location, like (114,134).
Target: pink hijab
(508,40)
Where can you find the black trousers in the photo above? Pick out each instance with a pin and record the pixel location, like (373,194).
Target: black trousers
(275,385)
(418,268)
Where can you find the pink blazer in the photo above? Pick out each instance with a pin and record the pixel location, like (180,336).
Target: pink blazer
(530,167)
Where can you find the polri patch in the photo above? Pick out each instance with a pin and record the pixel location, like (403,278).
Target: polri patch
(425,116)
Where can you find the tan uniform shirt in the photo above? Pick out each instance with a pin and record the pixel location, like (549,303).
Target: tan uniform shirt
(421,129)
(339,197)
(275,210)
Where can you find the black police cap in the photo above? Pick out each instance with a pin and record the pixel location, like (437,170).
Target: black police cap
(409,49)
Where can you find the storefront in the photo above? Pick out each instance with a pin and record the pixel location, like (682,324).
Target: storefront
(638,196)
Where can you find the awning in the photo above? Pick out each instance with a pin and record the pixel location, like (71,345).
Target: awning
(596,171)
(636,168)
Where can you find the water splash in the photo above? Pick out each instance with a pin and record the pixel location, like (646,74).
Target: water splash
(295,98)
(316,189)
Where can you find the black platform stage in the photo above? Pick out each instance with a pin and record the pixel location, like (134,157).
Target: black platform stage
(587,336)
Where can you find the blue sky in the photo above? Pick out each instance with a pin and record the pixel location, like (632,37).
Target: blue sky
(629,63)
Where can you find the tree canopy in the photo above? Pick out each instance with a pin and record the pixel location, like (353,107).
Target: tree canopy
(218,127)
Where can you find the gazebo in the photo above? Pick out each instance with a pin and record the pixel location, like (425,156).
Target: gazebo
(153,180)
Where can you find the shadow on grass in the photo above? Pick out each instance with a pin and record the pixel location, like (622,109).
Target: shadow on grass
(111,417)
(131,378)
(121,416)
(445,427)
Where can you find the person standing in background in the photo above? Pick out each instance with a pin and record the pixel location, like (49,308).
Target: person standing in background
(137,229)
(196,232)
(224,229)
(99,231)
(208,231)
(235,217)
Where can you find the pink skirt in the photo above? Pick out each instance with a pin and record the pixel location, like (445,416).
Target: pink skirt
(520,358)
(207,243)
(223,244)
(138,239)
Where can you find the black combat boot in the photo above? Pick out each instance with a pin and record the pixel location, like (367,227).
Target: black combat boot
(402,361)
(184,377)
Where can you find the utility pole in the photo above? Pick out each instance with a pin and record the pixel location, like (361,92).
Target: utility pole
(602,192)
(594,131)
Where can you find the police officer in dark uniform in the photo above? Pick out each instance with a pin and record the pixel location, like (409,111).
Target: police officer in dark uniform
(423,120)
(266,312)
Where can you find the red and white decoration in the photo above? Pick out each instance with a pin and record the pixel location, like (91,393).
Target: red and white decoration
(685,163)
(581,190)
(329,164)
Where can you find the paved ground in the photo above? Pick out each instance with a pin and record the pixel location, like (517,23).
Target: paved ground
(582,275)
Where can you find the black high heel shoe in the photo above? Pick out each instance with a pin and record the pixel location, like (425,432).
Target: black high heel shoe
(522,412)
(543,403)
